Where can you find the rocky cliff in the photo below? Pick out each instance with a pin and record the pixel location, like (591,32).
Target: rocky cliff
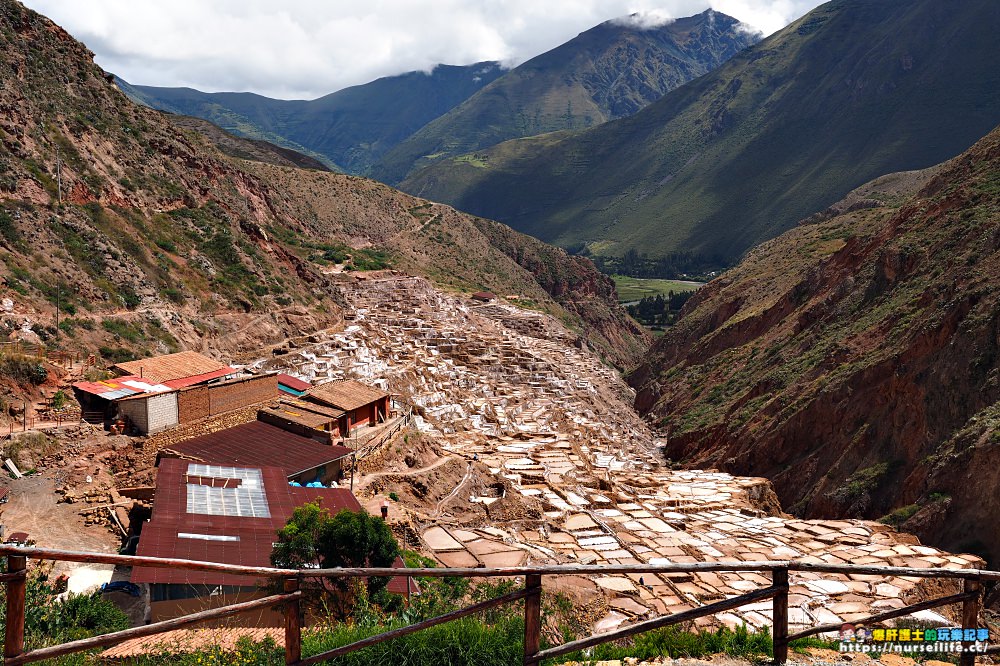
(849,359)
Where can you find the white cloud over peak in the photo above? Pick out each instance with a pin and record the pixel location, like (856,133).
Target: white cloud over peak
(307,48)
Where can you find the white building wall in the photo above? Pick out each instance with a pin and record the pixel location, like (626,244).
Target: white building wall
(135,411)
(161,411)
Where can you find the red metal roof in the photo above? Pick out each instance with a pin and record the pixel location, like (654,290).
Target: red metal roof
(293,382)
(256,536)
(258,444)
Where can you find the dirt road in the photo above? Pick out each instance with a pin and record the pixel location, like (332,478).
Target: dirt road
(32,508)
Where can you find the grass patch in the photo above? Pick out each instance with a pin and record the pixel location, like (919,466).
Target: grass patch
(634,289)
(23,369)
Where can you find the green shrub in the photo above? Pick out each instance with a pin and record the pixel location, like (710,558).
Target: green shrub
(23,369)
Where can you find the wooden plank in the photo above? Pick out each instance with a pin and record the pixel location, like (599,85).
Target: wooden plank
(143,561)
(970,619)
(149,629)
(13,575)
(293,625)
(929,572)
(780,582)
(888,615)
(572,569)
(13,642)
(656,623)
(532,618)
(404,631)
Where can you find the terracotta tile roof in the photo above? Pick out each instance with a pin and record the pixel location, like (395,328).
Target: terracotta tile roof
(170,367)
(347,395)
(259,444)
(181,641)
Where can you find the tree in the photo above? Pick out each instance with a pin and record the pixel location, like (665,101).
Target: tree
(313,539)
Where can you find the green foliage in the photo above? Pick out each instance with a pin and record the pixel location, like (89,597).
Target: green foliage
(900,515)
(125,330)
(314,538)
(50,622)
(117,354)
(23,369)
(58,400)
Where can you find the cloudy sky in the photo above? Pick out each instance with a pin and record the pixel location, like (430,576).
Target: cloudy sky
(307,48)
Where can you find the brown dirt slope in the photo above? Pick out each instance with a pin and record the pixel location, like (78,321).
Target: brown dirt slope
(151,239)
(840,359)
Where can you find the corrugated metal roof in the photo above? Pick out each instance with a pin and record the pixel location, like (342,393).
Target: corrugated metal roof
(293,383)
(256,535)
(120,387)
(347,395)
(260,444)
(249,539)
(170,366)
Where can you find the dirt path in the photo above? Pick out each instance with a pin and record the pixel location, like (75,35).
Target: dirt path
(450,496)
(368,478)
(32,508)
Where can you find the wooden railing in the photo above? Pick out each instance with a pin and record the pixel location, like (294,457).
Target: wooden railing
(290,598)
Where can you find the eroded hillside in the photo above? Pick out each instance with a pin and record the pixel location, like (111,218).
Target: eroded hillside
(841,359)
(148,238)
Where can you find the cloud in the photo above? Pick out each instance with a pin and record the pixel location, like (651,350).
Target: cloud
(645,20)
(307,48)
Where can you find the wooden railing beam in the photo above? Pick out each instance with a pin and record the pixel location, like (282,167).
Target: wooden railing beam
(413,628)
(888,615)
(780,616)
(13,644)
(532,618)
(656,623)
(147,630)
(970,619)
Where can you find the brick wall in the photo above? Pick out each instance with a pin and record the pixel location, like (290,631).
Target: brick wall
(241,392)
(199,402)
(161,411)
(192,404)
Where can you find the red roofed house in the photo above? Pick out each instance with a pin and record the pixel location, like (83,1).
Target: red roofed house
(157,393)
(225,514)
(302,459)
(361,404)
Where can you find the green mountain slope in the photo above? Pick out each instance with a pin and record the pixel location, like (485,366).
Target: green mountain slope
(609,71)
(349,128)
(853,90)
(145,237)
(855,360)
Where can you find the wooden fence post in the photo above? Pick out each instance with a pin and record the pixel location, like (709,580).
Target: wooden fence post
(293,625)
(779,579)
(970,619)
(532,618)
(13,644)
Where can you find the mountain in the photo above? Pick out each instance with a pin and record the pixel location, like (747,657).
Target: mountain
(853,90)
(147,238)
(607,72)
(348,129)
(855,360)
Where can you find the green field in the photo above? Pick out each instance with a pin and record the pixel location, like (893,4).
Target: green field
(632,289)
